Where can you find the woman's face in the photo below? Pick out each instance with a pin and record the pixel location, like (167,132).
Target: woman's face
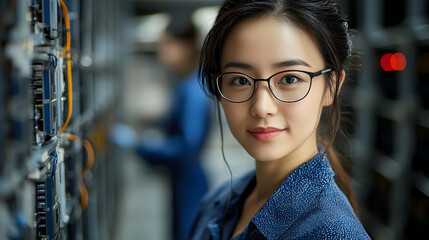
(267,128)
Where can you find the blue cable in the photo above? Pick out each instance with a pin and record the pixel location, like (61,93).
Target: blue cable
(54,163)
(55,60)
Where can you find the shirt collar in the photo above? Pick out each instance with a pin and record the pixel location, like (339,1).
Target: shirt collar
(294,196)
(238,189)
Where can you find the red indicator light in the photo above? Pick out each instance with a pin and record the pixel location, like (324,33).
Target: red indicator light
(393,62)
(385,62)
(398,61)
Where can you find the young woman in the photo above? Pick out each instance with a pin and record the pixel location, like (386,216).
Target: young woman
(275,66)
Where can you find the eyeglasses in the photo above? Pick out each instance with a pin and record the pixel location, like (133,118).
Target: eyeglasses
(286,86)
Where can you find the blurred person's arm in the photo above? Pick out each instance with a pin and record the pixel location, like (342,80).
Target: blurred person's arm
(193,129)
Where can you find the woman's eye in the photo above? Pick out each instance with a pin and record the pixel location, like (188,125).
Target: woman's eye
(289,79)
(241,81)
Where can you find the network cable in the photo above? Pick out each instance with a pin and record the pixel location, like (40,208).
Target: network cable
(66,52)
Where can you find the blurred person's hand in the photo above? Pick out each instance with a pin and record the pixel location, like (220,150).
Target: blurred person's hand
(124,136)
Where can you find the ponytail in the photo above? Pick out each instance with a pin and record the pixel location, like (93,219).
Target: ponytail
(341,177)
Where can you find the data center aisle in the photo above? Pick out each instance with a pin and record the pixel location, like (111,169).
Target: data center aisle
(144,209)
(144,212)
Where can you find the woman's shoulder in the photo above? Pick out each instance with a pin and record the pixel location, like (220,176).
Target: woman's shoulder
(219,195)
(215,194)
(330,216)
(328,225)
(212,206)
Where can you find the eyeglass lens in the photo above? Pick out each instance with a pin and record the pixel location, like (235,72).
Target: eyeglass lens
(286,86)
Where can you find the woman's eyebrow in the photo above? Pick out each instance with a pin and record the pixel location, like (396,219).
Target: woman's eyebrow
(292,62)
(238,65)
(287,63)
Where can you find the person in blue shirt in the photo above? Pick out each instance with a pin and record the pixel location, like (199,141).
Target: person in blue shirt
(185,128)
(275,66)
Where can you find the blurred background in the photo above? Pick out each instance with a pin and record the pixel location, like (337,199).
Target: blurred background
(88,91)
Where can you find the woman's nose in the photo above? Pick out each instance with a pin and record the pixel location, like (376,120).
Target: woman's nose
(264,103)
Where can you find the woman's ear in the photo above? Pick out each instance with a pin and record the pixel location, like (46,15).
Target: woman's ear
(328,98)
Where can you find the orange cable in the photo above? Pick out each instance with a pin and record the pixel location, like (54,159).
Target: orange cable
(91,156)
(66,53)
(67,21)
(70,136)
(84,196)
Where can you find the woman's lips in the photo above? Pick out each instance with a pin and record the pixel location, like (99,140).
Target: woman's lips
(265,134)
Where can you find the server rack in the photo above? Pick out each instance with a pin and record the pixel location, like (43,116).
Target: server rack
(392,116)
(57,180)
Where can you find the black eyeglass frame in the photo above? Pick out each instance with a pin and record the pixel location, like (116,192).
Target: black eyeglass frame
(255,80)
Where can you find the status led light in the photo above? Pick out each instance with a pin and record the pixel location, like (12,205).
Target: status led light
(393,62)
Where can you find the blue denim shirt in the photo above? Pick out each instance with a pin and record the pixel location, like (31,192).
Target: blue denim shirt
(307,205)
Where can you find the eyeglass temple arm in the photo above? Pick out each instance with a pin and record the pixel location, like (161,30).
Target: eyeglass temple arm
(321,72)
(325,71)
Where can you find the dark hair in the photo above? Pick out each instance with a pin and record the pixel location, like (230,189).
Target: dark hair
(181,27)
(321,19)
